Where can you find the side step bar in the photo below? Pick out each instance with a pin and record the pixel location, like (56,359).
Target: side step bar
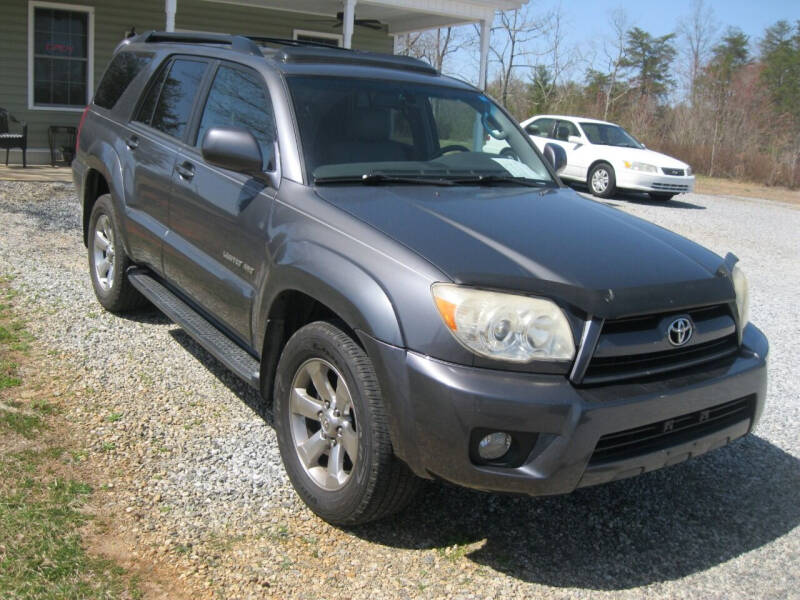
(228,352)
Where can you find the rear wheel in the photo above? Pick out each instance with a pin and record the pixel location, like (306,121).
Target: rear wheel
(332,429)
(602,180)
(108,262)
(661,197)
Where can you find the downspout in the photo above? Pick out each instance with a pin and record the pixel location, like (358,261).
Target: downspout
(348,20)
(170,7)
(486,25)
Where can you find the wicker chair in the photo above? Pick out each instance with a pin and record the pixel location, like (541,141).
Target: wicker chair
(10,140)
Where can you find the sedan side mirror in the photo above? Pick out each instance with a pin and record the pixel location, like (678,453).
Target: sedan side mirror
(556,156)
(233,149)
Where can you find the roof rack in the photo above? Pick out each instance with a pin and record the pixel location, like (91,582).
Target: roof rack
(238,43)
(291,51)
(355,57)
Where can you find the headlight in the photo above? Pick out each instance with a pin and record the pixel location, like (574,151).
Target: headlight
(742,295)
(688,171)
(639,166)
(505,326)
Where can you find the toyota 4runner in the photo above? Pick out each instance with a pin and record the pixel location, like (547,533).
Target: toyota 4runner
(325,223)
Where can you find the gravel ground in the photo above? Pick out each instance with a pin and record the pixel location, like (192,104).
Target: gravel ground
(193,473)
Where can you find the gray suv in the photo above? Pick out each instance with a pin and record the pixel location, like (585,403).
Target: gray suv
(326,223)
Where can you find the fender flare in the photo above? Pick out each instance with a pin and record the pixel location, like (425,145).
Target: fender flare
(334,281)
(102,158)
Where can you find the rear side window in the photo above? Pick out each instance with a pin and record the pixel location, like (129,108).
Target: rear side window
(168,104)
(118,76)
(238,99)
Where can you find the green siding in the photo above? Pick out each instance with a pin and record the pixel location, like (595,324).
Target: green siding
(113,17)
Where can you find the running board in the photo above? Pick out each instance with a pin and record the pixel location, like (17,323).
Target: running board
(228,352)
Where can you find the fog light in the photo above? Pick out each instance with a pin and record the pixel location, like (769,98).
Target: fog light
(494,445)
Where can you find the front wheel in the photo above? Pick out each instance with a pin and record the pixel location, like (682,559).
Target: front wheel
(661,197)
(602,180)
(332,429)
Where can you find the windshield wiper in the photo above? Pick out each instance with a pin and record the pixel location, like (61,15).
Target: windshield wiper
(490,179)
(376,177)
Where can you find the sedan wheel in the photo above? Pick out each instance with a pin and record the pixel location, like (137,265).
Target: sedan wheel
(602,181)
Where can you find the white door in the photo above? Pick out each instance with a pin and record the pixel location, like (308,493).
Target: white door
(567,135)
(540,131)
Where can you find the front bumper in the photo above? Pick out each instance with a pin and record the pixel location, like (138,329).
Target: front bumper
(435,407)
(654,182)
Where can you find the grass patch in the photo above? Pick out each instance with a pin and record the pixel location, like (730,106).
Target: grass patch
(42,556)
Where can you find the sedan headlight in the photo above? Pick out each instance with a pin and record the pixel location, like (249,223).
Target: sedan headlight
(505,326)
(742,295)
(640,166)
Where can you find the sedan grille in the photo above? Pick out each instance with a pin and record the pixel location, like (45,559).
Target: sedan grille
(677,172)
(671,432)
(670,187)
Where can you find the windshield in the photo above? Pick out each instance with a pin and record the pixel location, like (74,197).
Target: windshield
(400,132)
(610,135)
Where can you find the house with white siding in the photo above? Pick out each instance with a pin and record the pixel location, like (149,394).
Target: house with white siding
(52,53)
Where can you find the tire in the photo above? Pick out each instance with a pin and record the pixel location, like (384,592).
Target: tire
(602,181)
(108,265)
(661,197)
(357,489)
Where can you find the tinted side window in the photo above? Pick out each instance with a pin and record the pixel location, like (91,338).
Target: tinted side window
(118,76)
(145,113)
(541,127)
(238,99)
(177,97)
(564,129)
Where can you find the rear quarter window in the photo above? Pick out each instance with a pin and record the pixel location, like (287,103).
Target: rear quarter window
(123,69)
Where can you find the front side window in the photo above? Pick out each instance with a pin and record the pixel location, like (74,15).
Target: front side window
(564,129)
(541,127)
(176,95)
(238,99)
(351,128)
(60,57)
(605,134)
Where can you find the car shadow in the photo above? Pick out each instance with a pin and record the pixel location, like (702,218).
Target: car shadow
(639,198)
(251,397)
(657,527)
(660,526)
(148,315)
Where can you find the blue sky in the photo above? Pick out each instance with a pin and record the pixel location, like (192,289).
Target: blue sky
(587,24)
(590,17)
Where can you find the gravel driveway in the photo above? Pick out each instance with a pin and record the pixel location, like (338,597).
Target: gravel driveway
(192,468)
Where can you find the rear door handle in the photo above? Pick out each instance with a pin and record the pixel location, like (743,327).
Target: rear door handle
(185,170)
(132,142)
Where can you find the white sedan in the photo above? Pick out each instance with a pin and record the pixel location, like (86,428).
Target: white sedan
(606,157)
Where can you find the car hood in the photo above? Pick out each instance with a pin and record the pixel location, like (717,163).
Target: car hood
(551,241)
(643,155)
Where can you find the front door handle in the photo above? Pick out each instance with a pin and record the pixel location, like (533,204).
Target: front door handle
(132,142)
(185,170)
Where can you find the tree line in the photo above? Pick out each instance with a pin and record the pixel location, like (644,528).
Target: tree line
(724,103)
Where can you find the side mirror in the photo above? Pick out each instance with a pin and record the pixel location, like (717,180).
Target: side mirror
(556,156)
(575,139)
(233,149)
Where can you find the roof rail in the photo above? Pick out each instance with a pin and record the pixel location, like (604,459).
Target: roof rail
(238,43)
(289,42)
(355,57)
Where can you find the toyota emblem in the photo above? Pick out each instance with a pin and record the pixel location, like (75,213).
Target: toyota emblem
(680,331)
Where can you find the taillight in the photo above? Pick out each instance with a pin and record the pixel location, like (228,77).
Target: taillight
(80,126)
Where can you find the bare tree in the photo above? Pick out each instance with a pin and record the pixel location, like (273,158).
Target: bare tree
(434,46)
(615,52)
(512,35)
(697,32)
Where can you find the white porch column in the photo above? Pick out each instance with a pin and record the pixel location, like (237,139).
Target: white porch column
(486,34)
(348,20)
(171,7)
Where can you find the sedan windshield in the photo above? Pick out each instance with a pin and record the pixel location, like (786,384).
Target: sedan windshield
(390,132)
(610,135)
